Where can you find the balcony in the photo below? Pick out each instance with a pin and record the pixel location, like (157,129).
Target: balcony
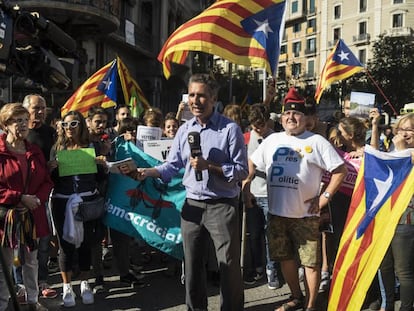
(362,38)
(80,18)
(399,32)
(332,43)
(310,30)
(144,41)
(310,52)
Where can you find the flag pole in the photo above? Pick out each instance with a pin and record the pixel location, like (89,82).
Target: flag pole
(380,90)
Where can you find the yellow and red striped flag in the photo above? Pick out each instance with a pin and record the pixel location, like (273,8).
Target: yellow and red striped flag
(383,190)
(132,91)
(340,64)
(245,32)
(88,94)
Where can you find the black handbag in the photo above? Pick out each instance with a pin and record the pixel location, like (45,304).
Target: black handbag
(91,210)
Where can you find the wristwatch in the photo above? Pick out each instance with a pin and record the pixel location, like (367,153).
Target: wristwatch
(326,195)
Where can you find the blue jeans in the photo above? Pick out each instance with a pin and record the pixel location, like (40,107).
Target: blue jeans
(400,256)
(264,204)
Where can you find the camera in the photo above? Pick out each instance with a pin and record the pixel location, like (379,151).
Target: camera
(28,43)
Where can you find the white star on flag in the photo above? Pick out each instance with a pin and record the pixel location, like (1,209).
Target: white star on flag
(343,55)
(263,26)
(107,83)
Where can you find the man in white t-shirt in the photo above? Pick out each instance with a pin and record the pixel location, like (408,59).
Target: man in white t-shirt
(294,162)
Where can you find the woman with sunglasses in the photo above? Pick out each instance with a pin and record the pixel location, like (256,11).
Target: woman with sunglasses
(74,136)
(25,185)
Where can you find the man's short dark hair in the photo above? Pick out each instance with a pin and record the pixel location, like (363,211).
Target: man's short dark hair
(206,79)
(96,110)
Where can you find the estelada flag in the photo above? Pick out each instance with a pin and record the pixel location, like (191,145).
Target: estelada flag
(88,94)
(383,189)
(244,32)
(340,64)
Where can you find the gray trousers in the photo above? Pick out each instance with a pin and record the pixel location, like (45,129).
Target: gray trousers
(30,271)
(219,219)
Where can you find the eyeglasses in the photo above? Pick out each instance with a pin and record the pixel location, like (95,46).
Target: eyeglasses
(408,130)
(71,124)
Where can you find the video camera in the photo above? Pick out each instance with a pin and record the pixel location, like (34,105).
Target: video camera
(28,43)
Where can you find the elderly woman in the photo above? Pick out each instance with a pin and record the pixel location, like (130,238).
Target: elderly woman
(75,136)
(24,188)
(400,254)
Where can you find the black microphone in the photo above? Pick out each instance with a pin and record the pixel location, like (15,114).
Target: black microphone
(194,142)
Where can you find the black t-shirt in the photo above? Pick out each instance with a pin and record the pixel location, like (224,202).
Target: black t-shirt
(44,137)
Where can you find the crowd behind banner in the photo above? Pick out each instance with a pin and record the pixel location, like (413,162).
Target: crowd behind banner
(300,179)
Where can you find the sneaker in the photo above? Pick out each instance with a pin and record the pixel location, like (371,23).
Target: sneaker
(68,297)
(375,305)
(86,293)
(53,266)
(99,285)
(106,258)
(37,307)
(131,279)
(272,279)
(21,294)
(47,292)
(325,279)
(259,275)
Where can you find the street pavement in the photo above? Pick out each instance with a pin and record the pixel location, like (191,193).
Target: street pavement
(163,292)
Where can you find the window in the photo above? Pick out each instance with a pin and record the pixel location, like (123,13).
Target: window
(281,73)
(362,5)
(312,25)
(362,56)
(296,48)
(296,27)
(295,70)
(337,12)
(283,49)
(295,7)
(312,8)
(397,20)
(337,33)
(311,45)
(311,68)
(398,1)
(362,28)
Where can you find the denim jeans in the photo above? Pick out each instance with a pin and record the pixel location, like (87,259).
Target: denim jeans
(264,204)
(400,256)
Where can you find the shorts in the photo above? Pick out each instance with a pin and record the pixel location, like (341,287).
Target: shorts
(295,238)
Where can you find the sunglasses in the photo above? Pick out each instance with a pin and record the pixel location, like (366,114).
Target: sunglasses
(71,124)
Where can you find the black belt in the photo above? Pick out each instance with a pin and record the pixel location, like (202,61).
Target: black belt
(230,201)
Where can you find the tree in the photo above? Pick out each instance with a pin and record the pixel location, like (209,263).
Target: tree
(392,67)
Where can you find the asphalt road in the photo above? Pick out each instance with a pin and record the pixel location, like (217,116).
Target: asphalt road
(165,293)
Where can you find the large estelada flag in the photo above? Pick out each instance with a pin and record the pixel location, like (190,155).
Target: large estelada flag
(150,209)
(101,88)
(340,64)
(383,189)
(244,32)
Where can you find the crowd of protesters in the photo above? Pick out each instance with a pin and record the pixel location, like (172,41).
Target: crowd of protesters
(281,172)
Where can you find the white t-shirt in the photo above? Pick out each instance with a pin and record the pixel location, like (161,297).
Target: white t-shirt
(294,166)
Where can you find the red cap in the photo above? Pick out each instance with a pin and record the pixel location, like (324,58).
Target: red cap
(293,101)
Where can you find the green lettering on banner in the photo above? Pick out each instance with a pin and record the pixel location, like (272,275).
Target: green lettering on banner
(76,162)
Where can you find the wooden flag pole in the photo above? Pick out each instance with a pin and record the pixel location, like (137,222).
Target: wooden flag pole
(380,90)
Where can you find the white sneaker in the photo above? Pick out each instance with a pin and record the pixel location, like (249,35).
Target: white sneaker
(86,293)
(68,297)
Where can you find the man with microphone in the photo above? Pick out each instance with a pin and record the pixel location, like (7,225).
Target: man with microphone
(211,149)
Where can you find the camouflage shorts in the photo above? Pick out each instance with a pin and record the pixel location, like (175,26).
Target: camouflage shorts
(291,238)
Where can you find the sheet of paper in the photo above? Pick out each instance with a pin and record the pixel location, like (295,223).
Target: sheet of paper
(76,162)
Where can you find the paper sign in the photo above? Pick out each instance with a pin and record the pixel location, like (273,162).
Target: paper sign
(158,149)
(361,103)
(148,133)
(76,162)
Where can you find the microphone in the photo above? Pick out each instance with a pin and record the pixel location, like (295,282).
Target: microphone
(194,142)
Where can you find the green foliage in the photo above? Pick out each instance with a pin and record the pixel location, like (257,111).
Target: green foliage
(392,67)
